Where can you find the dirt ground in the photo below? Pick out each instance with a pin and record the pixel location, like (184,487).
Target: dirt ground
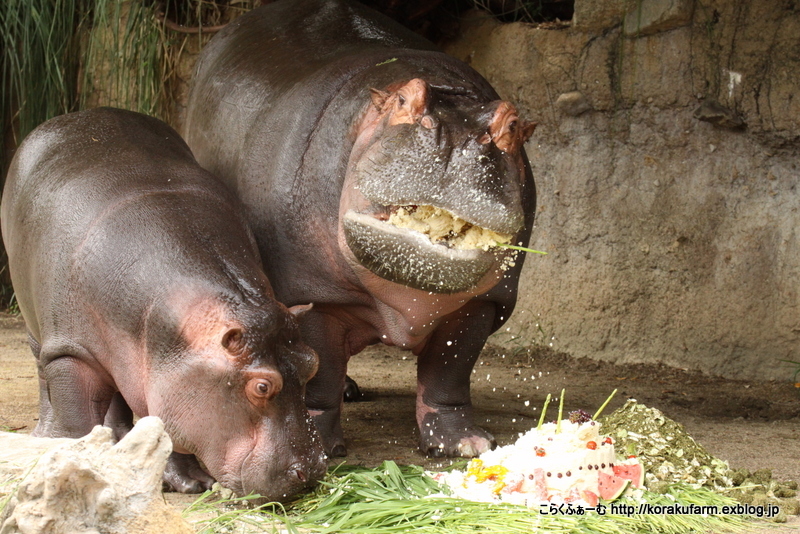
(750,424)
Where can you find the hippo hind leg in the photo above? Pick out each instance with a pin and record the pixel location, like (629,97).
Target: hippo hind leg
(45,424)
(74,397)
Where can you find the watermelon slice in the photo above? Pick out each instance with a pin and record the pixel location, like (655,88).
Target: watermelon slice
(630,469)
(611,486)
(590,498)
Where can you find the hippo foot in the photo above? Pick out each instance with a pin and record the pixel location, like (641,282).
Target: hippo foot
(329,427)
(183,474)
(449,432)
(352,393)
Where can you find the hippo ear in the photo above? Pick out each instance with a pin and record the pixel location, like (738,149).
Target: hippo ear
(507,130)
(526,130)
(300,310)
(379,98)
(233,341)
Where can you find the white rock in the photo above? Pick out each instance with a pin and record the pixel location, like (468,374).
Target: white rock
(573,103)
(19,452)
(92,485)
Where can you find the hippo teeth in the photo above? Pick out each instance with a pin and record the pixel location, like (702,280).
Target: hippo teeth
(444,228)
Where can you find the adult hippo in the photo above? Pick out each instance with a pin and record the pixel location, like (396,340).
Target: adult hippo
(379,176)
(143,293)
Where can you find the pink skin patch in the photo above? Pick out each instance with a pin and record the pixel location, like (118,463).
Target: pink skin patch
(206,326)
(408,104)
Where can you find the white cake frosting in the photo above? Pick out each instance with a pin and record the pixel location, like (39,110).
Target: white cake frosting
(549,463)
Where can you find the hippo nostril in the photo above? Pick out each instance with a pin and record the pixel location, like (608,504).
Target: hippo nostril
(297,471)
(429,122)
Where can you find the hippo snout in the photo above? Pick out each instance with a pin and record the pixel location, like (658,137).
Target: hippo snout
(307,472)
(279,487)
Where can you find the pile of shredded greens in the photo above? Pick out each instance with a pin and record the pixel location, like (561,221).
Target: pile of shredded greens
(671,456)
(668,454)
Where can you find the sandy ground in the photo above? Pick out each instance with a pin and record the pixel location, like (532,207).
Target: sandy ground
(754,425)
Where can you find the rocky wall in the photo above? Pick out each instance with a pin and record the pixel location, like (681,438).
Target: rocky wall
(666,161)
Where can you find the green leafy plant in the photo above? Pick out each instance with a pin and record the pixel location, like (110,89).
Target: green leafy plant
(523,249)
(39,61)
(211,513)
(124,60)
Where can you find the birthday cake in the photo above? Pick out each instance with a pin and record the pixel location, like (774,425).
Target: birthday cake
(566,461)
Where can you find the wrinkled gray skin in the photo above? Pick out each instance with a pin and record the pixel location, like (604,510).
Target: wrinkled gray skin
(143,293)
(282,111)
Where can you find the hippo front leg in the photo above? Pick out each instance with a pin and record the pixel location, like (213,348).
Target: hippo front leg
(44,427)
(119,417)
(325,391)
(444,369)
(184,474)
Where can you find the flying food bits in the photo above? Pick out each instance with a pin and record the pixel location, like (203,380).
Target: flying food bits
(441,226)
(509,261)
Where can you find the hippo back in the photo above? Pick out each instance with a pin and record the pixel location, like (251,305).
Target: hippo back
(60,206)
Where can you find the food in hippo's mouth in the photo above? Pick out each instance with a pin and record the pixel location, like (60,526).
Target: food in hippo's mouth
(443,227)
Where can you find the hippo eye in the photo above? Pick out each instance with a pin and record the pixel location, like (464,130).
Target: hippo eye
(512,126)
(259,392)
(401,99)
(262,387)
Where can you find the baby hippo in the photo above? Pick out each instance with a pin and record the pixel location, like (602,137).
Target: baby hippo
(143,293)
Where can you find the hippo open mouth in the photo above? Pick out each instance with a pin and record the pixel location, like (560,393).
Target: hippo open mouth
(425,247)
(443,227)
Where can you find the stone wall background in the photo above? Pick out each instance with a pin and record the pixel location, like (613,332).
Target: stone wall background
(666,161)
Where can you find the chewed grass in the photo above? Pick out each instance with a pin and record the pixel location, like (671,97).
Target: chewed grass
(394,499)
(441,226)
